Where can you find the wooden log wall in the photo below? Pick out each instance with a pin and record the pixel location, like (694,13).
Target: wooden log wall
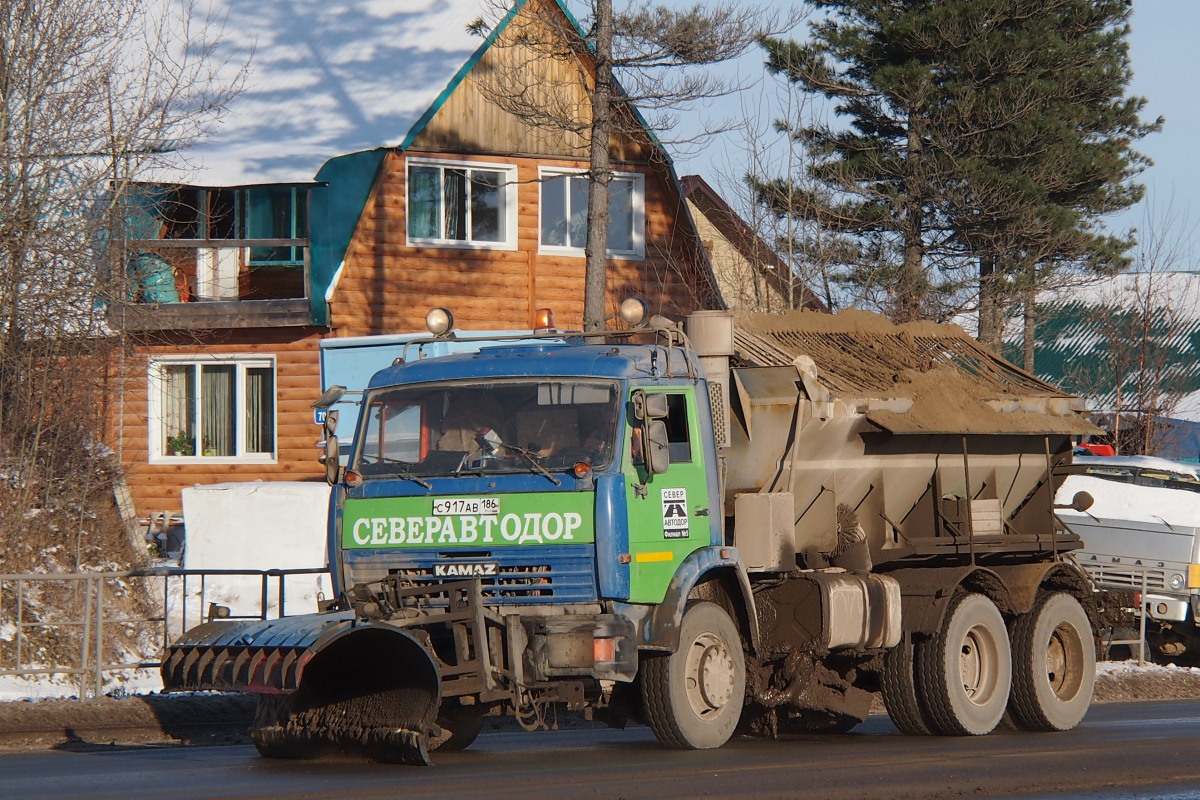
(386,285)
(158,487)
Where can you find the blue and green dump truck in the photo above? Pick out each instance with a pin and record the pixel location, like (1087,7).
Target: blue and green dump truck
(744,524)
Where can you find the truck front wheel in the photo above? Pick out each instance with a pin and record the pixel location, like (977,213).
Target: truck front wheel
(693,697)
(965,670)
(1054,665)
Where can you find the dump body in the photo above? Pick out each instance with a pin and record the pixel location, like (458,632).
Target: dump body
(761,521)
(936,447)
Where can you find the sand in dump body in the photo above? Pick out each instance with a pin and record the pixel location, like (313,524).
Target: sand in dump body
(953,382)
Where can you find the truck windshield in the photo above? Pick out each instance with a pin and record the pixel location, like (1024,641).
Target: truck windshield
(486,427)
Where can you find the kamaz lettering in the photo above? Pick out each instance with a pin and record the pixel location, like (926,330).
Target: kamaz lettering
(484,570)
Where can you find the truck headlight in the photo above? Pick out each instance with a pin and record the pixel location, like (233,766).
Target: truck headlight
(1176,581)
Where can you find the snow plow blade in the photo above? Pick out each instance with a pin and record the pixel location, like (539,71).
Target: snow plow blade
(255,656)
(327,683)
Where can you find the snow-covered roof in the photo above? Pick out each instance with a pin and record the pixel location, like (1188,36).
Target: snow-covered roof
(1086,334)
(325,79)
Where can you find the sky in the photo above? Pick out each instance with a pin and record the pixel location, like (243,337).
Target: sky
(328,78)
(1166,64)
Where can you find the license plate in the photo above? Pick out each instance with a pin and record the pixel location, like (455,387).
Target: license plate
(455,506)
(466,569)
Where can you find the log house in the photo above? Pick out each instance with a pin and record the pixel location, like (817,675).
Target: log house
(233,287)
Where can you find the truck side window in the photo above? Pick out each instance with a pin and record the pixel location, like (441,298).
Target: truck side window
(678,437)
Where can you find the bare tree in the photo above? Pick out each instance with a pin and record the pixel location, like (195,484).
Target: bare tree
(1135,360)
(94,94)
(641,64)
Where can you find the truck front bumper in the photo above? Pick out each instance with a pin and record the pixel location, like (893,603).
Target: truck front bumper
(602,646)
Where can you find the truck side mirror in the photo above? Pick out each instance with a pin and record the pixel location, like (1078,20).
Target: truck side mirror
(658,454)
(331,423)
(649,406)
(1082,501)
(331,458)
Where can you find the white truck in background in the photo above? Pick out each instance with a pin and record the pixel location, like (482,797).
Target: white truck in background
(1143,533)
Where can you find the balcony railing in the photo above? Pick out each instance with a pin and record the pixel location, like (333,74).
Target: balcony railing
(189,284)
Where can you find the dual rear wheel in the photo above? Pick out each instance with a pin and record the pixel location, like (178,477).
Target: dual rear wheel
(962,680)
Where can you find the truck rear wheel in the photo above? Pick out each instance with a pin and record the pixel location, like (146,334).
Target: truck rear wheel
(964,672)
(1054,665)
(693,697)
(899,688)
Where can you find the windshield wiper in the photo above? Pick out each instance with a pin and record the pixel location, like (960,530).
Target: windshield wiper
(532,459)
(403,474)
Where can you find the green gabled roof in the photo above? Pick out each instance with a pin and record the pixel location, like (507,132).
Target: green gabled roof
(1090,340)
(477,56)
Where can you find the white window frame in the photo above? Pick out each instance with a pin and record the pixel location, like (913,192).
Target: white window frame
(639,213)
(509,193)
(154,408)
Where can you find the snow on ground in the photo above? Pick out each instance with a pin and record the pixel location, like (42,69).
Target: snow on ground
(242,594)
(1121,668)
(46,687)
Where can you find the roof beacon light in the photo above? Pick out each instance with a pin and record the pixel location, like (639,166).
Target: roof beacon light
(439,321)
(543,321)
(634,311)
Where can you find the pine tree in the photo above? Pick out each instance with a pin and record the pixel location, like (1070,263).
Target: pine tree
(987,140)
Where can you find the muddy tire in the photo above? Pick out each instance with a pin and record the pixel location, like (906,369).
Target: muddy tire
(898,685)
(964,672)
(1054,665)
(460,725)
(693,697)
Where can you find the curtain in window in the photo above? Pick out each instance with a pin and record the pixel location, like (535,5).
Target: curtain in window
(177,409)
(455,205)
(424,203)
(260,410)
(269,216)
(218,410)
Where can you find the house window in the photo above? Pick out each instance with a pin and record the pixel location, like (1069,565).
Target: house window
(212,409)
(260,212)
(275,212)
(460,204)
(564,213)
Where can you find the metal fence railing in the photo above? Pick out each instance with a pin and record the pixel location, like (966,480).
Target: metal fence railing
(91,625)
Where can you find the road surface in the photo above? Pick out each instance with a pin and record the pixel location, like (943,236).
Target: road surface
(1122,750)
